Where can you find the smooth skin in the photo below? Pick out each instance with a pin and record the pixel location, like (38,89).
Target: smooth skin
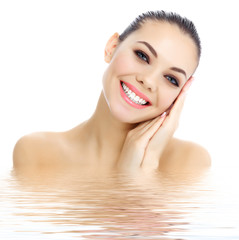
(119,136)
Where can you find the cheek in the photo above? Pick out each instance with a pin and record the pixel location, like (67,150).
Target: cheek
(123,64)
(120,65)
(166,98)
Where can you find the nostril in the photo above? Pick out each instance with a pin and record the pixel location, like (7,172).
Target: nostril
(145,83)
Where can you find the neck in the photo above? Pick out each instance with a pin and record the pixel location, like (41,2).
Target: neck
(107,133)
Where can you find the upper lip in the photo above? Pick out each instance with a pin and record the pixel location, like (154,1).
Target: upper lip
(137,92)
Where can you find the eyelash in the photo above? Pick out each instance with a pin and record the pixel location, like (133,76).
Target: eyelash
(172,80)
(142,56)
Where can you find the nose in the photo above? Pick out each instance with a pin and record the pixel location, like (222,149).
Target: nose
(148,81)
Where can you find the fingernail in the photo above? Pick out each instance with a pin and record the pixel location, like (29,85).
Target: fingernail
(163,114)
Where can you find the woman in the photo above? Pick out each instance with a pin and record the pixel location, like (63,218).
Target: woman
(150,68)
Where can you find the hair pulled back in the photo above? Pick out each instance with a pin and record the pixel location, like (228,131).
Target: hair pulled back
(184,24)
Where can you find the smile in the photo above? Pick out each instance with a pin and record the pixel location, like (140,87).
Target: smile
(133,97)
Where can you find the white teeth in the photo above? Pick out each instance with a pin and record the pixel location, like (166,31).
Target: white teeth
(132,96)
(136,98)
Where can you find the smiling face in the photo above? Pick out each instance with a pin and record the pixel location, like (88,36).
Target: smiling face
(147,71)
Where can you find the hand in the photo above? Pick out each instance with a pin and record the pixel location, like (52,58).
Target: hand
(144,144)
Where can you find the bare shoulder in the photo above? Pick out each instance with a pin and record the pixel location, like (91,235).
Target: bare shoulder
(186,155)
(37,149)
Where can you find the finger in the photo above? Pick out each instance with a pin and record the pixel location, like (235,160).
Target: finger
(148,128)
(151,129)
(177,107)
(142,127)
(137,131)
(187,86)
(179,103)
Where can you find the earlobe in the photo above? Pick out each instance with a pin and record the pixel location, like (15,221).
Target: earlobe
(111,46)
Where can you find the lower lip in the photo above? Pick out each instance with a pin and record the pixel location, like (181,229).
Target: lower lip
(131,103)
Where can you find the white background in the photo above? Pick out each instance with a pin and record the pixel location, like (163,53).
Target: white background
(51,66)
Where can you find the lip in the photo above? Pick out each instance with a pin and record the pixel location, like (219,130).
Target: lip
(137,92)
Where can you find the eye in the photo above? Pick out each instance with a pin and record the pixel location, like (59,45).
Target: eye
(172,80)
(143,56)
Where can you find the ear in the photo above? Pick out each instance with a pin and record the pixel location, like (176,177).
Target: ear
(111,46)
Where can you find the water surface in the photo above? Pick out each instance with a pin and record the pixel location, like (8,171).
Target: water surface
(72,205)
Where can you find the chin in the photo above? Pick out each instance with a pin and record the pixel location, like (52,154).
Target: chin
(123,115)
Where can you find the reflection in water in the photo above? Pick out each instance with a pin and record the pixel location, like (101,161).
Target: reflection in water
(68,204)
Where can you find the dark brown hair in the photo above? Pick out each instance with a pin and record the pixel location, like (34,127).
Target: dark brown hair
(183,23)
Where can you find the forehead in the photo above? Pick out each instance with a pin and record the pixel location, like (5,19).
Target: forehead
(173,46)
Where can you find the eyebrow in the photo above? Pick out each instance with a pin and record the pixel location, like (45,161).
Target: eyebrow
(152,50)
(149,47)
(179,70)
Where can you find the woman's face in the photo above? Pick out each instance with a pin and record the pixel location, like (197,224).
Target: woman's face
(147,71)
